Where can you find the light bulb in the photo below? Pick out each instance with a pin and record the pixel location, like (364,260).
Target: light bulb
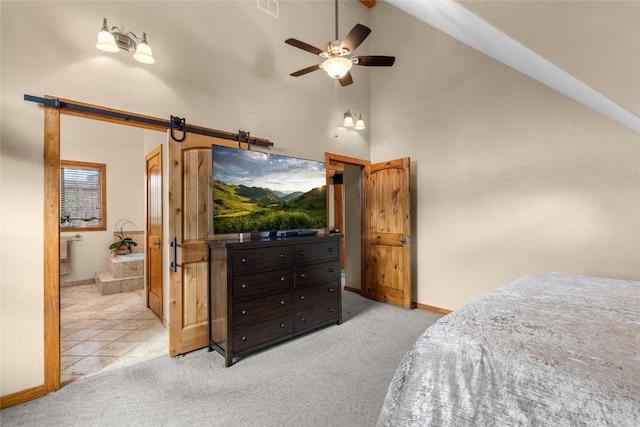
(337,67)
(348,119)
(144,53)
(106,42)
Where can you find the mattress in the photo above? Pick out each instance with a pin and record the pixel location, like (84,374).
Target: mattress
(544,350)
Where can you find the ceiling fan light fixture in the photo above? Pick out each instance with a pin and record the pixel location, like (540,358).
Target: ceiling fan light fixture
(337,67)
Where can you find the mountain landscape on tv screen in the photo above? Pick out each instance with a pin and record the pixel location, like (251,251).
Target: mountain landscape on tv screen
(239,208)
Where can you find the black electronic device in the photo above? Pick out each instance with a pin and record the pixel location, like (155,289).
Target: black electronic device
(256,192)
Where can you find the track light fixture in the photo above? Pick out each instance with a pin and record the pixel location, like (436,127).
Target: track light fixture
(112,39)
(350,122)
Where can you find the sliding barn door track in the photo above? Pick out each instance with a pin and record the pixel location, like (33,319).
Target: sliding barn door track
(178,126)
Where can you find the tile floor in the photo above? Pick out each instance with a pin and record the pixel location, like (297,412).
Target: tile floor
(99,332)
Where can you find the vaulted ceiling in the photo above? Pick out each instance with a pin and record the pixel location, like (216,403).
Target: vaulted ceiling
(588,50)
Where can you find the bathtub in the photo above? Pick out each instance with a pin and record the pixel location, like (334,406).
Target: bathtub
(132,257)
(125,273)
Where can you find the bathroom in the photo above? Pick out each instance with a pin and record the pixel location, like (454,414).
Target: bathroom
(104,319)
(121,150)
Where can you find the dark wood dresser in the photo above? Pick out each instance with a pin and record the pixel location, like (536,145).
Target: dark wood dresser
(266,291)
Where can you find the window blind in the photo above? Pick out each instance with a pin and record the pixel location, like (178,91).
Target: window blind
(80,193)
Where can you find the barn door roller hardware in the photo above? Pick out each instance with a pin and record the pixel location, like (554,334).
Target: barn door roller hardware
(175,124)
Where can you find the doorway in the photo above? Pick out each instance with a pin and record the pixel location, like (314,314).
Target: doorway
(104,319)
(385,238)
(344,178)
(51,229)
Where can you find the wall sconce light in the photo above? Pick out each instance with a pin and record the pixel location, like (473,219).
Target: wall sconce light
(112,39)
(348,119)
(349,122)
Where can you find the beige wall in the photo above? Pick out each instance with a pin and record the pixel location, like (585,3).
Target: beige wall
(509,177)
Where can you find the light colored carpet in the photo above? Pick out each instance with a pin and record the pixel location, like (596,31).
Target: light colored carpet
(337,376)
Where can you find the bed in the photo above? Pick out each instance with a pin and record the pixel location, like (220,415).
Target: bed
(544,350)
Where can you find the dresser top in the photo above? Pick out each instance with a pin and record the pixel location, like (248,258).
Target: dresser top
(237,243)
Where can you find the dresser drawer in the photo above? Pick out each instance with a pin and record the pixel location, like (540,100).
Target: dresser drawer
(252,260)
(316,294)
(314,316)
(259,284)
(309,253)
(260,333)
(315,273)
(257,310)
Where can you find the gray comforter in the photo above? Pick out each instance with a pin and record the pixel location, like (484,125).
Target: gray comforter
(544,350)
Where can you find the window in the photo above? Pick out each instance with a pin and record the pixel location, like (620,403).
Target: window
(83,195)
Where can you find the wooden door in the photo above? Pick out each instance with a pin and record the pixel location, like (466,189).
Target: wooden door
(154,230)
(190,223)
(387,232)
(189,202)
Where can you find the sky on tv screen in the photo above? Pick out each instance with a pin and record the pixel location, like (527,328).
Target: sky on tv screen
(275,172)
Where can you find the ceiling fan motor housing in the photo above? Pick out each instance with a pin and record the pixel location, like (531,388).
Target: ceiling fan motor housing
(333,49)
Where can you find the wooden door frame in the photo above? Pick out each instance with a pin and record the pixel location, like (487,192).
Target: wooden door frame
(338,158)
(51,237)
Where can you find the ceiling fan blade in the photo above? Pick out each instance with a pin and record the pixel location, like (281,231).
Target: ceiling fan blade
(305,70)
(303,46)
(375,61)
(346,80)
(355,37)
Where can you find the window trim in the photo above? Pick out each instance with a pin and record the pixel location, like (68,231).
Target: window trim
(102,168)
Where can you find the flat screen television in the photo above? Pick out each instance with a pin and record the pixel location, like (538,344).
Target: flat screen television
(270,194)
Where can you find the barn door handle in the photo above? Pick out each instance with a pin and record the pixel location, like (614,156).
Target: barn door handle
(174,246)
(404,240)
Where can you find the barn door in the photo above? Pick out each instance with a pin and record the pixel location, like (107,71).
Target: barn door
(387,232)
(189,225)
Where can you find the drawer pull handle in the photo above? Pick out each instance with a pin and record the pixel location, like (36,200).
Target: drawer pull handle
(282,302)
(282,255)
(244,286)
(302,319)
(330,290)
(302,297)
(303,253)
(331,310)
(283,279)
(244,312)
(330,249)
(243,260)
(330,269)
(282,325)
(303,275)
(243,338)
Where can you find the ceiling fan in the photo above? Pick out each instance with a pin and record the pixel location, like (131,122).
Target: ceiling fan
(337,55)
